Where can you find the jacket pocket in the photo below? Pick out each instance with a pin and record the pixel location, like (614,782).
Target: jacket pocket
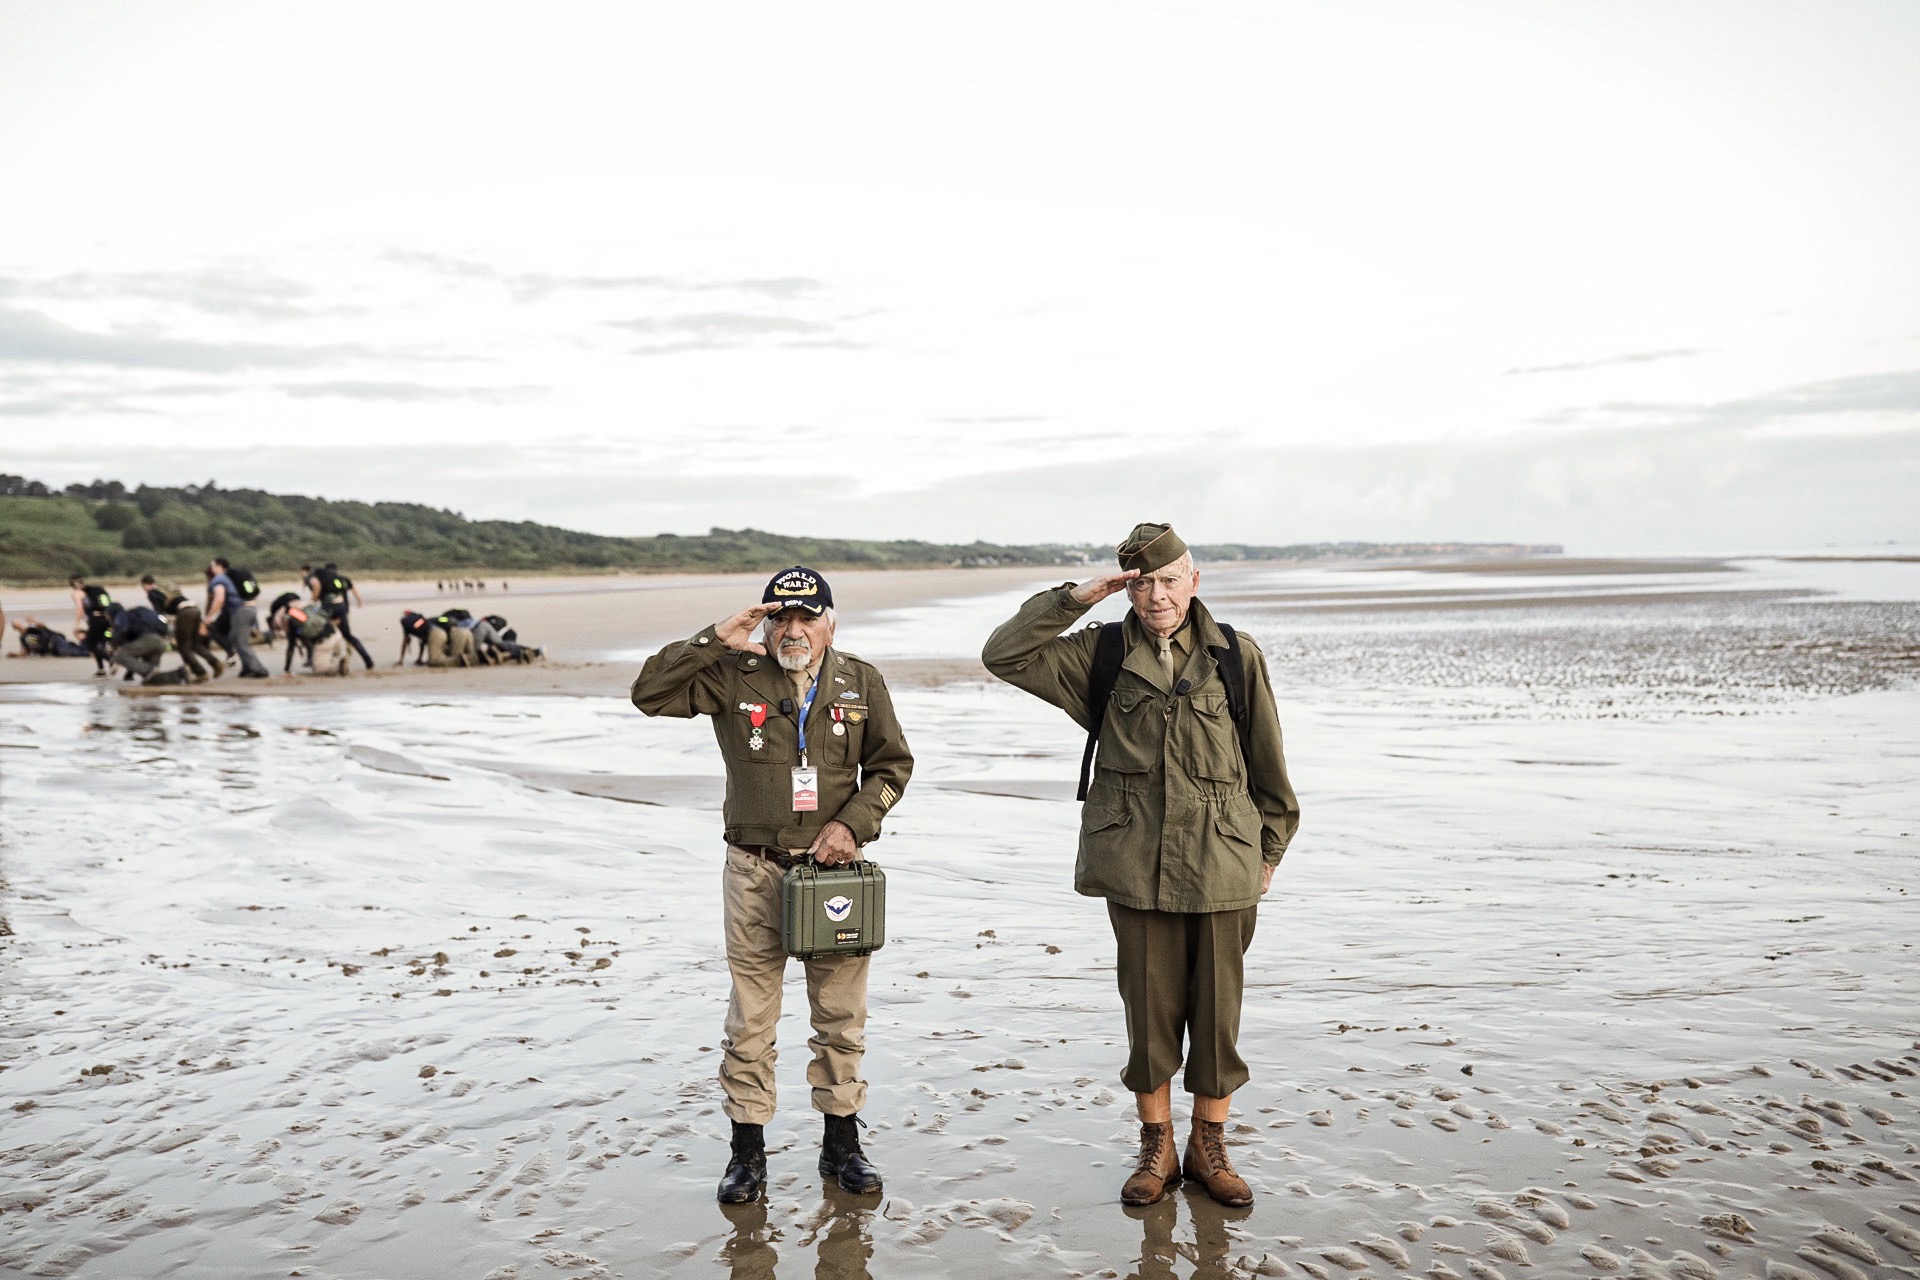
(1214,751)
(841,739)
(1132,733)
(739,735)
(1104,819)
(1238,823)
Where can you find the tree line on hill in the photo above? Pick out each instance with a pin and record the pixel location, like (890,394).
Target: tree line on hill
(107,529)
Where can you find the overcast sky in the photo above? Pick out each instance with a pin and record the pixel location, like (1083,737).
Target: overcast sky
(1626,276)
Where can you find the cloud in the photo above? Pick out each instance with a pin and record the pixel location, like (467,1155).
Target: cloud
(28,337)
(1894,393)
(407,392)
(723,325)
(731,330)
(529,285)
(1638,357)
(223,291)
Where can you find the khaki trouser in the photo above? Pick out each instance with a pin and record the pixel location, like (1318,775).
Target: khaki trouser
(451,647)
(836,999)
(1181,977)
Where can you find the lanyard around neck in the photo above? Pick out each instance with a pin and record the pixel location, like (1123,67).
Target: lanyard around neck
(806,705)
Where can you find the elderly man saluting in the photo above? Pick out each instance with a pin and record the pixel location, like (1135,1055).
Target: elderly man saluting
(1187,816)
(789,711)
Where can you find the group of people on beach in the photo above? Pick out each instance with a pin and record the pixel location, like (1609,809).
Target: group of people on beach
(1188,811)
(220,630)
(456,638)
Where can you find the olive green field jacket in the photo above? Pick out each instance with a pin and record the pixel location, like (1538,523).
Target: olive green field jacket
(863,768)
(1174,819)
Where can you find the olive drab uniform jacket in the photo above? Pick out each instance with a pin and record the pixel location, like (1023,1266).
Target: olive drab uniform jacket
(863,768)
(1174,819)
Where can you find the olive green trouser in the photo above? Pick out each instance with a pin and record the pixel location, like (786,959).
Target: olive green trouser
(1181,977)
(141,656)
(193,646)
(836,999)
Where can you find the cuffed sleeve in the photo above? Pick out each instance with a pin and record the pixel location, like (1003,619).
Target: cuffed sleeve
(885,765)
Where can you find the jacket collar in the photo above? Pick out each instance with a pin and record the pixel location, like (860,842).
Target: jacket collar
(769,680)
(1143,649)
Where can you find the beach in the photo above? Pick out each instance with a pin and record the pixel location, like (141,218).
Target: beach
(1595,954)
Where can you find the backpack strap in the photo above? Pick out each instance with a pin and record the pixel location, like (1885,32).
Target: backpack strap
(1233,674)
(1109,651)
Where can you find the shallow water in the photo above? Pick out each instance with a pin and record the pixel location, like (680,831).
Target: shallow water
(1612,970)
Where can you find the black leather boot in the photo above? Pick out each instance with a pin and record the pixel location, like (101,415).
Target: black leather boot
(747,1167)
(841,1158)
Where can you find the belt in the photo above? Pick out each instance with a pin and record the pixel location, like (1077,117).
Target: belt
(773,853)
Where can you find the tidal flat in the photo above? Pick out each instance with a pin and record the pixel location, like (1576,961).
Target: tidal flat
(1596,954)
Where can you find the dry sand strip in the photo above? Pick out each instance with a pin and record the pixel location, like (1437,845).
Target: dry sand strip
(580,622)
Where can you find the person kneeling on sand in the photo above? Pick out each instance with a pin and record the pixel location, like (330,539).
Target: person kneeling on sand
(415,630)
(442,641)
(1187,816)
(498,643)
(139,642)
(809,778)
(453,644)
(310,630)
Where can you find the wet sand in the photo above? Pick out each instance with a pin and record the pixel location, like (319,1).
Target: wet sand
(1595,957)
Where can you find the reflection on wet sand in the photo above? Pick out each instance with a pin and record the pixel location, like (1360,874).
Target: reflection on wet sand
(1200,1252)
(836,1237)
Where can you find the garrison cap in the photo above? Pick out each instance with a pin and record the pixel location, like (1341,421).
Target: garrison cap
(1149,547)
(799,588)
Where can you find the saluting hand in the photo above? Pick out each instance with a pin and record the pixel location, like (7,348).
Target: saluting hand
(737,632)
(1094,590)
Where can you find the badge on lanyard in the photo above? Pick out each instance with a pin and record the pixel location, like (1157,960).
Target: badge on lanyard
(806,788)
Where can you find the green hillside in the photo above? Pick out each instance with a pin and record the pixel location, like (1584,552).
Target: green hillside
(108,530)
(105,529)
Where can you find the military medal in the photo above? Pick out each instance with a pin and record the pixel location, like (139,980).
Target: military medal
(839,716)
(756,741)
(756,716)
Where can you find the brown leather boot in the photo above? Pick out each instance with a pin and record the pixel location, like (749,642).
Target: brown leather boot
(1155,1170)
(1207,1164)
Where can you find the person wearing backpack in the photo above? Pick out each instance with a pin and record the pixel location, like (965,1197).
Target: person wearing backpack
(140,641)
(93,610)
(1187,813)
(189,636)
(331,588)
(226,604)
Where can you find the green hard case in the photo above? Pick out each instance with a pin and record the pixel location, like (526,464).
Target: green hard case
(837,911)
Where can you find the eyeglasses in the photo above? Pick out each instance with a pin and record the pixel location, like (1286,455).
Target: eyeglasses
(1144,585)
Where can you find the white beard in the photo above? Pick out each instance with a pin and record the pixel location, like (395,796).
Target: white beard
(793,659)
